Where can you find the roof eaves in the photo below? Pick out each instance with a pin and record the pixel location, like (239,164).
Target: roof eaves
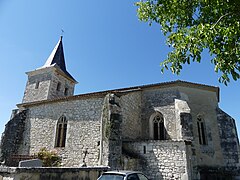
(123,91)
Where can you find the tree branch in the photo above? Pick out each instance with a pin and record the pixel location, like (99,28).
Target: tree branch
(220,20)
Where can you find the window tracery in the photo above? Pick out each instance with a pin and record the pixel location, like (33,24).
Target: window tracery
(157,128)
(61,132)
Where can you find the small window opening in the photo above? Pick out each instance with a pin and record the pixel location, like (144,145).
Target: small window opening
(58,86)
(66,91)
(144,149)
(37,85)
(201,131)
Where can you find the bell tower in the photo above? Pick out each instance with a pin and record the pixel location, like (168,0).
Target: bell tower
(50,81)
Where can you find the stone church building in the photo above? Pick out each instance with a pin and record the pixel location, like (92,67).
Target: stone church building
(171,130)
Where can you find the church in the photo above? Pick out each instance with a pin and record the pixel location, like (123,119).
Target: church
(170,130)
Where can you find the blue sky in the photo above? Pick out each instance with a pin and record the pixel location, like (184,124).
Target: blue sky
(106,47)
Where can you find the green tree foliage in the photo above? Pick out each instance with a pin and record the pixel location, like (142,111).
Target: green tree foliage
(49,158)
(194,25)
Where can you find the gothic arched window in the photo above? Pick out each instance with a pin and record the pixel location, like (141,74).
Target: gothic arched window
(157,128)
(201,131)
(61,132)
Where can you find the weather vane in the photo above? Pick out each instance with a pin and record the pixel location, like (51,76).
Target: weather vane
(62,31)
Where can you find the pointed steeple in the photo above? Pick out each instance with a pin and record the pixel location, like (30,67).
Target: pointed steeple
(50,81)
(57,59)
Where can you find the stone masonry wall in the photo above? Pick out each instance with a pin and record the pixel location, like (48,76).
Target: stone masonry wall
(48,78)
(211,154)
(31,93)
(65,83)
(111,133)
(105,132)
(229,139)
(183,120)
(83,130)
(131,115)
(13,137)
(204,103)
(84,173)
(160,100)
(162,159)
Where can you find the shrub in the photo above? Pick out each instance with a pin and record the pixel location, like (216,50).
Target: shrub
(49,158)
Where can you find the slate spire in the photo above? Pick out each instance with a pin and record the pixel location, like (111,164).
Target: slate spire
(57,59)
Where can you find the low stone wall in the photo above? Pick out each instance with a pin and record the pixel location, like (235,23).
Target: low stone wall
(158,159)
(43,173)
